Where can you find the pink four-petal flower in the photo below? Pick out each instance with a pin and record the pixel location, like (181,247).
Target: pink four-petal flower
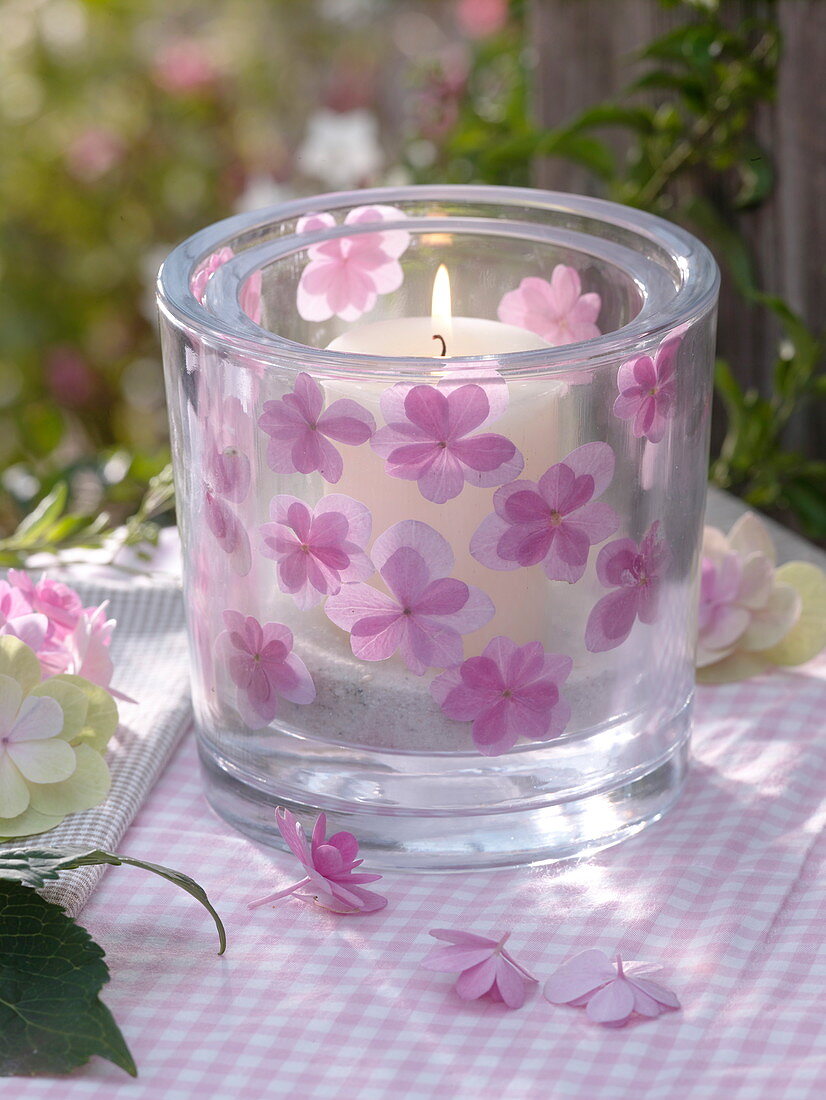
(330,862)
(318,549)
(345,276)
(555,521)
(263,667)
(636,572)
(648,390)
(432,437)
(557,311)
(508,692)
(424,614)
(300,430)
(485,966)
(612,992)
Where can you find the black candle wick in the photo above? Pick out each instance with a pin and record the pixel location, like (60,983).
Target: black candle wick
(443,352)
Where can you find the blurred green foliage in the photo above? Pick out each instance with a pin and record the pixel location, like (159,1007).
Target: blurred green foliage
(690,154)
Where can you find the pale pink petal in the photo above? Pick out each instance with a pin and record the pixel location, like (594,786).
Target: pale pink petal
(358,601)
(442,479)
(392,241)
(455,935)
(757,577)
(456,958)
(433,548)
(728,624)
(347,422)
(510,983)
(612,1005)
(774,621)
(46,760)
(302,690)
(597,520)
(654,990)
(579,976)
(477,980)
(357,515)
(614,560)
(428,643)
(597,461)
(749,535)
(477,611)
(293,834)
(610,621)
(485,542)
(377,638)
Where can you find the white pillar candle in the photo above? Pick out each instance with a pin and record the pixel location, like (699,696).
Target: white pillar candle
(531,422)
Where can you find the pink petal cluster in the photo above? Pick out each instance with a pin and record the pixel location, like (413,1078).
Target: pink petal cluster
(484,966)
(432,437)
(508,692)
(250,297)
(345,276)
(557,311)
(612,992)
(636,572)
(554,522)
(648,391)
(227,474)
(424,613)
(300,430)
(51,619)
(318,549)
(330,863)
(743,607)
(263,667)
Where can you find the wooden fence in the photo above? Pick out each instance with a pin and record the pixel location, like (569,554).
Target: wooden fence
(586,53)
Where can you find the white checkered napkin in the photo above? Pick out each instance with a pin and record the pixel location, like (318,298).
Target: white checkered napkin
(149,652)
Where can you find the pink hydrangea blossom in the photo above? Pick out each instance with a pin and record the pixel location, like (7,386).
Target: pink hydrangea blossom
(345,276)
(19,618)
(263,667)
(744,607)
(318,549)
(554,522)
(184,66)
(648,391)
(426,611)
(61,605)
(228,531)
(250,297)
(227,442)
(94,152)
(300,430)
(557,311)
(636,572)
(612,992)
(484,966)
(332,881)
(432,437)
(509,692)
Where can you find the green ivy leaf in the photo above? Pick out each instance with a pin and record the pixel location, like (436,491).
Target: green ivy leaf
(51,971)
(34,866)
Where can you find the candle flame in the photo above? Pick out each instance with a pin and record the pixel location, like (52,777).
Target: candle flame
(441,306)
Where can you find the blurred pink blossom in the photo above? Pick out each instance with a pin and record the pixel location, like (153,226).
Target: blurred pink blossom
(557,311)
(481,18)
(184,66)
(71,380)
(93,152)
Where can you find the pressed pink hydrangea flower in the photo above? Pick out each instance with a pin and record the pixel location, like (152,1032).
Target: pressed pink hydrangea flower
(318,549)
(508,692)
(263,667)
(346,275)
(300,430)
(432,438)
(612,992)
(228,440)
(484,966)
(555,521)
(557,311)
(648,390)
(250,297)
(330,863)
(636,572)
(229,532)
(426,611)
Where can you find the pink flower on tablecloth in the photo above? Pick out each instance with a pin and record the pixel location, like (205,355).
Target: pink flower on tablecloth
(250,297)
(263,667)
(19,618)
(330,863)
(555,521)
(318,550)
(648,390)
(432,438)
(427,611)
(60,604)
(636,571)
(300,430)
(484,966)
(509,692)
(346,275)
(612,992)
(557,311)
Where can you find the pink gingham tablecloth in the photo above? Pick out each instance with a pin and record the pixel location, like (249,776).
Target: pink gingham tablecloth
(727,892)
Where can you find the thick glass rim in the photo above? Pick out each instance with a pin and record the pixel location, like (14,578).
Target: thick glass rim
(236,334)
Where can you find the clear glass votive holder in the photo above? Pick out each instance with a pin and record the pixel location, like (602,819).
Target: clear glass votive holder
(441,547)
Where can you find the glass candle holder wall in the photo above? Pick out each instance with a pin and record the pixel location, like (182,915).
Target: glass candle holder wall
(440,459)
